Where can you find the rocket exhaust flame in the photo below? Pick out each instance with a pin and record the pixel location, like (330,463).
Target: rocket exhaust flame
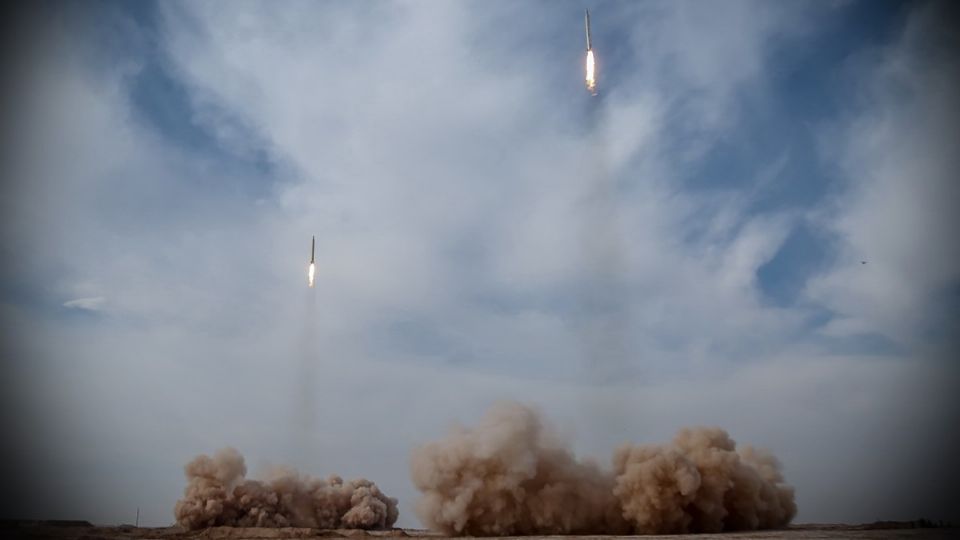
(311,270)
(591,77)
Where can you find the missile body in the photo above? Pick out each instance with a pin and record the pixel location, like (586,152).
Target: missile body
(591,77)
(311,269)
(586,23)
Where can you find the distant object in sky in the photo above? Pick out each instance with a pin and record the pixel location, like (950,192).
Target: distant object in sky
(863,262)
(591,79)
(312,269)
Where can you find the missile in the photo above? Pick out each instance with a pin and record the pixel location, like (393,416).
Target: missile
(586,23)
(590,68)
(311,270)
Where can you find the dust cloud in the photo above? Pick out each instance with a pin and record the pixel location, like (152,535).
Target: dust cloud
(218,494)
(511,475)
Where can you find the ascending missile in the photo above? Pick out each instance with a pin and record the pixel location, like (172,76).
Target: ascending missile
(591,79)
(586,22)
(311,269)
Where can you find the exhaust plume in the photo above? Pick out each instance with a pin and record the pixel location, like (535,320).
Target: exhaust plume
(591,79)
(511,476)
(218,494)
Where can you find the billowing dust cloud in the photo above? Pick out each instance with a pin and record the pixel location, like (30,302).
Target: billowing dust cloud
(511,476)
(218,494)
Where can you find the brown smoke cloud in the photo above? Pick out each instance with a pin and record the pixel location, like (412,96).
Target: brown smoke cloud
(511,476)
(218,493)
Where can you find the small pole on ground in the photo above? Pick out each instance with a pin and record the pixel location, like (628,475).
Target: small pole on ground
(137,523)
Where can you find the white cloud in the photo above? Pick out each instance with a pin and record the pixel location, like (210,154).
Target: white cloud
(440,189)
(900,155)
(93,303)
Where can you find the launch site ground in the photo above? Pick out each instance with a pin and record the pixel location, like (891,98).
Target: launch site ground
(85,531)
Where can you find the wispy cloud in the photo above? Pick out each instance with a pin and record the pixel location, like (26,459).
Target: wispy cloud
(93,303)
(899,152)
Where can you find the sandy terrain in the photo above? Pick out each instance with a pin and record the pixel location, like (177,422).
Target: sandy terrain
(85,531)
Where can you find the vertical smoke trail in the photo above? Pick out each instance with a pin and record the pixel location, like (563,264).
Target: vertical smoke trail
(304,401)
(602,280)
(603,319)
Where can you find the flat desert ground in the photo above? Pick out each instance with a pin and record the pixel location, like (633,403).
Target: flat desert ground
(83,531)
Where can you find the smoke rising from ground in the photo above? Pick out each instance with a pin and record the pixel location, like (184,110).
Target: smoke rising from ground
(218,494)
(510,475)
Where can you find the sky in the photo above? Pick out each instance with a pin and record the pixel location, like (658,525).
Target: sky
(750,227)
